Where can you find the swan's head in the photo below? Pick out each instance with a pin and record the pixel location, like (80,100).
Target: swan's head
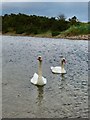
(63,60)
(39,58)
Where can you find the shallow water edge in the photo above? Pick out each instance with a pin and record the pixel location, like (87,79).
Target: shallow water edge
(79,37)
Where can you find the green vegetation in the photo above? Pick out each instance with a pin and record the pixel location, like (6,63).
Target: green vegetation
(82,29)
(39,25)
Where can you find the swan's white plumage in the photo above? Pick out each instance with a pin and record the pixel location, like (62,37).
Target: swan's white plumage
(36,81)
(58,69)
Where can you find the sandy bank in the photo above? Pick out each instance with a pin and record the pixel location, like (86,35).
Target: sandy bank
(79,37)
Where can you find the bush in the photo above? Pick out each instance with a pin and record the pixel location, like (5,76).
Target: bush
(77,30)
(55,33)
(19,31)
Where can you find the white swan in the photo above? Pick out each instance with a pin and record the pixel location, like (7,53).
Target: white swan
(59,69)
(38,79)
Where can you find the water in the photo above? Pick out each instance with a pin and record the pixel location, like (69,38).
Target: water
(62,96)
(0,76)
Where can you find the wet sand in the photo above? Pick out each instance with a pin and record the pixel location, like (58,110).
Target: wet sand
(62,96)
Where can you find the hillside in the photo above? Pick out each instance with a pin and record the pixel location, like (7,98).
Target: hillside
(21,24)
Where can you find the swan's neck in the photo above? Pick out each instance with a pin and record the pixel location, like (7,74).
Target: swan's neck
(40,70)
(62,65)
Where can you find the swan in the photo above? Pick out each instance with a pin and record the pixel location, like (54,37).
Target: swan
(59,69)
(38,79)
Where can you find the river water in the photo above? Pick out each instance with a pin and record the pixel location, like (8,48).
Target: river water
(62,96)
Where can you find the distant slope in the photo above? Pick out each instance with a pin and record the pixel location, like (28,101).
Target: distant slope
(33,25)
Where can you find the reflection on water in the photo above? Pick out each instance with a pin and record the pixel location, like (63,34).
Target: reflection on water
(62,82)
(39,100)
(39,95)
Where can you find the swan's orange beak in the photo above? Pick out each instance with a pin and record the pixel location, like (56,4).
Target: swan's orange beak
(65,62)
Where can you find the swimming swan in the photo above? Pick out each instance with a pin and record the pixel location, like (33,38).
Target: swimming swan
(38,79)
(59,69)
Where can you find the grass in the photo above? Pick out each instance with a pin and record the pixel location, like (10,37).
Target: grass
(82,29)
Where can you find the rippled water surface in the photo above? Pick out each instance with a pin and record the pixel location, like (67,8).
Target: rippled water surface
(62,96)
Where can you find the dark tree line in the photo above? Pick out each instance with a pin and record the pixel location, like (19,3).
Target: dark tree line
(22,23)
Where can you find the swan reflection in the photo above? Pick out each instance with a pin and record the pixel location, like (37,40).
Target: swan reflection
(40,95)
(62,82)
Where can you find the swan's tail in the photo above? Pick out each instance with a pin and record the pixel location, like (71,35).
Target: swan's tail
(51,67)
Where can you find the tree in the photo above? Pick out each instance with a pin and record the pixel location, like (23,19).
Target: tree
(61,17)
(73,20)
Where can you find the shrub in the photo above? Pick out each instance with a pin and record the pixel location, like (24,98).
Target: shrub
(55,33)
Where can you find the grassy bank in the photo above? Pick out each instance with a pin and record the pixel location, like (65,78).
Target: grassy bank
(80,32)
(49,35)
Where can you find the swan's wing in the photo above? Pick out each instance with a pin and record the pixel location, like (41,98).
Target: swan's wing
(35,81)
(56,69)
(44,80)
(34,78)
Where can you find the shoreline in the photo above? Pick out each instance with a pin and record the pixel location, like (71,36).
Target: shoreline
(78,37)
